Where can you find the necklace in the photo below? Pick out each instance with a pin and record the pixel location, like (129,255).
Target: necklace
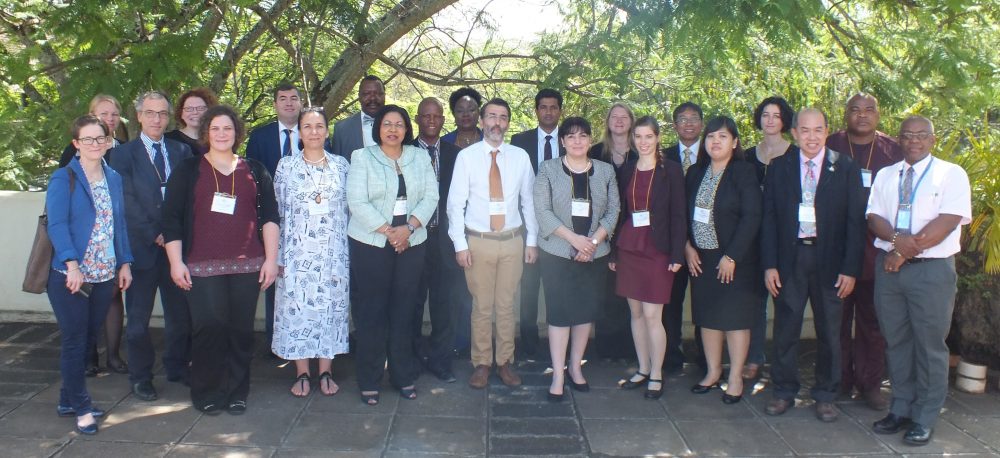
(316,162)
(317,194)
(571,169)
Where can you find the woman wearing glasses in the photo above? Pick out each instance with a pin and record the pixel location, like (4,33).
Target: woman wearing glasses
(391,192)
(190,106)
(90,245)
(310,308)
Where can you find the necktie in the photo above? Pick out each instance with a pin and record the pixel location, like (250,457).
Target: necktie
(159,163)
(686,160)
(432,150)
(496,192)
(286,150)
(907,186)
(548,147)
(809,197)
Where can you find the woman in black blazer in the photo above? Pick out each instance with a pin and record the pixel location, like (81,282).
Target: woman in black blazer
(724,211)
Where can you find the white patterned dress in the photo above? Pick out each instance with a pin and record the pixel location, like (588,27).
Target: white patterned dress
(311,300)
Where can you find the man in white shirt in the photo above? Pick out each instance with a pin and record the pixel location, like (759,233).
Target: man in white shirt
(916,210)
(491,189)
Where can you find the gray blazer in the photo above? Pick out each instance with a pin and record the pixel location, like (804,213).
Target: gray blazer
(553,197)
(347,136)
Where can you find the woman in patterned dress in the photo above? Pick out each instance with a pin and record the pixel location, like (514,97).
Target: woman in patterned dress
(310,313)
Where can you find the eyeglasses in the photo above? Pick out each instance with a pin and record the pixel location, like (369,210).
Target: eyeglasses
(91,140)
(391,125)
(681,121)
(195,109)
(920,136)
(156,114)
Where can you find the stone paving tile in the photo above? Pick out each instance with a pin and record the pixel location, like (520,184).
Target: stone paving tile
(257,427)
(139,421)
(429,434)
(985,429)
(537,410)
(391,454)
(947,439)
(617,403)
(35,333)
(445,399)
(348,401)
(732,437)
(340,432)
(843,436)
(104,390)
(9,329)
(634,438)
(31,448)
(326,453)
(203,451)
(20,391)
(87,449)
(37,420)
(20,376)
(7,406)
(534,426)
(536,445)
(690,406)
(34,364)
(861,413)
(987,404)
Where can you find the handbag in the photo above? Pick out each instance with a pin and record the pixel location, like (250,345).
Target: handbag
(36,272)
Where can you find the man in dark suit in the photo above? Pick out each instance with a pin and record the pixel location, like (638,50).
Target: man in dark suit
(442,278)
(144,165)
(541,143)
(812,243)
(268,144)
(355,132)
(688,122)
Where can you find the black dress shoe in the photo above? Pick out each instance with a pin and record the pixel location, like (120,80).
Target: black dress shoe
(581,387)
(92,370)
(631,385)
(444,375)
(918,435)
(211,409)
(237,407)
(891,424)
(651,393)
(144,391)
(183,379)
(730,399)
(702,389)
(552,397)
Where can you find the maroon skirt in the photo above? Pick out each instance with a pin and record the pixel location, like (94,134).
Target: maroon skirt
(642,270)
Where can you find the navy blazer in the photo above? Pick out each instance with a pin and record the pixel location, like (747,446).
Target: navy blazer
(143,197)
(840,216)
(736,211)
(528,141)
(263,146)
(71,215)
(347,136)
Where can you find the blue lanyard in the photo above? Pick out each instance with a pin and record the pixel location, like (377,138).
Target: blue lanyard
(913,194)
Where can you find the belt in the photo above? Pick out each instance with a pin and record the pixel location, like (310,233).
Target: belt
(914,260)
(433,228)
(505,235)
(807,241)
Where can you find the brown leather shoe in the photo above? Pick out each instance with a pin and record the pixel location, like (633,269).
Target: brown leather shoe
(875,400)
(778,406)
(508,376)
(826,412)
(480,377)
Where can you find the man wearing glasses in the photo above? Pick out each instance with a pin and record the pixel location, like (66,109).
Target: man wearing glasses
(491,189)
(145,165)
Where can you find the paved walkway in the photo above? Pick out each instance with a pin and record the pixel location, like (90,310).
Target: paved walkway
(446,419)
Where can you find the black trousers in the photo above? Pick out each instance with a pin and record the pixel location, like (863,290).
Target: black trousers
(612,331)
(438,284)
(531,283)
(806,284)
(673,323)
(222,318)
(139,300)
(386,284)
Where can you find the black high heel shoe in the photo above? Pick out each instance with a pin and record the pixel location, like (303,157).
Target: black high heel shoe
(651,393)
(552,397)
(730,399)
(631,385)
(702,389)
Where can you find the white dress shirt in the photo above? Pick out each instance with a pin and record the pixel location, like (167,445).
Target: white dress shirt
(694,151)
(944,190)
(554,141)
(294,135)
(366,129)
(469,195)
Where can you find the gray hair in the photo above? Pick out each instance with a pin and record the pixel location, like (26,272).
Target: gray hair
(912,118)
(795,117)
(152,95)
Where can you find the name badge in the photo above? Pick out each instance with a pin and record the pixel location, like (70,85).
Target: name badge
(807,213)
(224,203)
(866,178)
(400,208)
(581,208)
(903,219)
(498,207)
(640,219)
(318,208)
(702,214)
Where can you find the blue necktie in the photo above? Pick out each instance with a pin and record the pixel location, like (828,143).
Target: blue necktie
(159,163)
(287,149)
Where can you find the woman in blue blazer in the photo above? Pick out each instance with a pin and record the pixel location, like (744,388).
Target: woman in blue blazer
(86,223)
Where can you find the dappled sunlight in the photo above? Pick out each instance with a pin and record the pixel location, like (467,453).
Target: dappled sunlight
(135,412)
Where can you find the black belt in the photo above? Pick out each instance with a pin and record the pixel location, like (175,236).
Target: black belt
(807,241)
(501,236)
(913,260)
(433,228)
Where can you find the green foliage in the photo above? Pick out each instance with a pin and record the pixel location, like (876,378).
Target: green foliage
(977,153)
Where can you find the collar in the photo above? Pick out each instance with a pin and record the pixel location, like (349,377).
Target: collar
(818,160)
(293,128)
(149,141)
(694,148)
(542,134)
(367,119)
(919,167)
(423,144)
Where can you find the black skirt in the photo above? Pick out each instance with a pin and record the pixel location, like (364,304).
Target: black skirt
(574,290)
(725,306)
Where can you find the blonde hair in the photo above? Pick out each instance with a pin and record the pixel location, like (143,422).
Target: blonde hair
(103,98)
(606,142)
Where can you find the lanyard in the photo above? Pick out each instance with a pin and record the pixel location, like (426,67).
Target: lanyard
(649,192)
(215,174)
(871,151)
(586,175)
(913,194)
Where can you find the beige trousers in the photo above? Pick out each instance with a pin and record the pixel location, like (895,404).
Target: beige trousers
(493,281)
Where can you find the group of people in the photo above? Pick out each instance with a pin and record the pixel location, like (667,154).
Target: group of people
(367,225)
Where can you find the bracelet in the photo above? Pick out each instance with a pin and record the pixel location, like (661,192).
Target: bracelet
(893,241)
(727,258)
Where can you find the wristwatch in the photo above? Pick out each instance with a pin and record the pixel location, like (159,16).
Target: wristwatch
(411,227)
(594,241)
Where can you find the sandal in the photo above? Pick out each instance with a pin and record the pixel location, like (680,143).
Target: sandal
(303,383)
(370,399)
(326,380)
(408,393)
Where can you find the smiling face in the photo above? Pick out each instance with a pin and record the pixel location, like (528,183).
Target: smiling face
(312,130)
(288,104)
(619,121)
(221,134)
(154,117)
(810,132)
(577,143)
(109,114)
(192,110)
(646,141)
(862,115)
(92,142)
(392,131)
(371,95)
(466,113)
(720,144)
(688,126)
(496,121)
(770,120)
(430,119)
(916,137)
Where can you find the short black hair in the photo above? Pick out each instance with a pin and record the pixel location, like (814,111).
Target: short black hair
(372,78)
(495,101)
(716,124)
(464,92)
(689,105)
(284,86)
(548,93)
(783,107)
(573,125)
(380,115)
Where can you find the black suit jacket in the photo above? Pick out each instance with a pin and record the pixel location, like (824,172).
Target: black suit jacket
(263,146)
(840,216)
(143,197)
(446,168)
(667,206)
(673,152)
(528,141)
(736,212)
